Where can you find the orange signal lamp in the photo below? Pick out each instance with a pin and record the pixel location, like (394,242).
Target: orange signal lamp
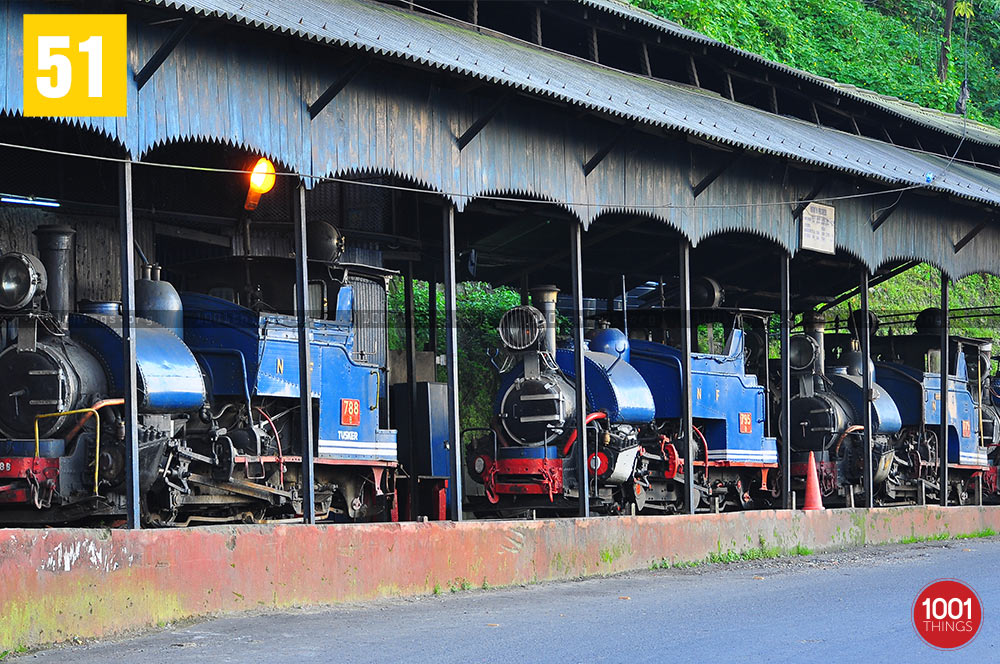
(261,182)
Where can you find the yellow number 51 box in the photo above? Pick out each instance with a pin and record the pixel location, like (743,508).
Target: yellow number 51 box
(75,65)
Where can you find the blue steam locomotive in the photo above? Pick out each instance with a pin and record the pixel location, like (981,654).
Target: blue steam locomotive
(527,460)
(217,391)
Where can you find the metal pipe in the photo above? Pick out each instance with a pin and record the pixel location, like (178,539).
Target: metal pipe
(55,250)
(568,445)
(864,333)
(411,378)
(687,421)
(944,410)
(625,308)
(451,358)
(131,412)
(305,370)
(576,273)
(97,435)
(814,325)
(544,297)
(83,420)
(785,423)
(432,316)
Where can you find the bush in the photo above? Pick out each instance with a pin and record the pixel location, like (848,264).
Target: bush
(480,307)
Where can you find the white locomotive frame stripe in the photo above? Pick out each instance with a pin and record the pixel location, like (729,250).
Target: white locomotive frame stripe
(759,456)
(973,458)
(338,448)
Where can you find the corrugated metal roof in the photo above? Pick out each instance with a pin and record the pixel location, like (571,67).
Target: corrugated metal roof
(440,44)
(948,123)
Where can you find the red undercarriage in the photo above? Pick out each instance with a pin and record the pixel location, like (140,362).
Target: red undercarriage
(28,480)
(541,477)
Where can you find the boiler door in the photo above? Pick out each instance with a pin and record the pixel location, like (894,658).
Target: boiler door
(56,376)
(534,409)
(817,420)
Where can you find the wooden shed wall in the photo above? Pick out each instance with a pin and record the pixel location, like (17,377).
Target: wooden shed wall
(251,89)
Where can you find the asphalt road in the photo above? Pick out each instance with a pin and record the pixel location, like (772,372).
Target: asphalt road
(846,607)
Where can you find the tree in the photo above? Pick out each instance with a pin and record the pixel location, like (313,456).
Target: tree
(949,21)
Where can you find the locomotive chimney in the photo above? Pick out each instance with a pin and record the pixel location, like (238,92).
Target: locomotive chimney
(814,324)
(56,251)
(544,297)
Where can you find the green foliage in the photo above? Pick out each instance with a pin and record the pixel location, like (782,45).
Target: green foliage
(760,552)
(915,539)
(898,300)
(480,307)
(964,10)
(941,537)
(20,650)
(889,46)
(985,532)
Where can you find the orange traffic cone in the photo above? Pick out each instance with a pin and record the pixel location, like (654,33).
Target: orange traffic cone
(814,501)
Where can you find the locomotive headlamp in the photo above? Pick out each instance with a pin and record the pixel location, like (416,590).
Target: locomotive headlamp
(22,279)
(521,328)
(803,352)
(261,181)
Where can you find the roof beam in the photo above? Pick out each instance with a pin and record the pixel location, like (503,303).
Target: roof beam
(810,197)
(599,156)
(353,68)
(705,182)
(693,71)
(884,214)
(483,120)
(536,27)
(970,236)
(874,281)
(162,53)
(170,230)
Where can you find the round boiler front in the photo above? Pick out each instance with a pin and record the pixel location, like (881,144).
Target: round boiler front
(816,419)
(55,377)
(533,408)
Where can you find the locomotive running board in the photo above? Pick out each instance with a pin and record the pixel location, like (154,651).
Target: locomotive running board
(250,489)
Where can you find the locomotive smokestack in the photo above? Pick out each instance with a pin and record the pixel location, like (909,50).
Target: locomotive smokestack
(56,251)
(814,324)
(544,297)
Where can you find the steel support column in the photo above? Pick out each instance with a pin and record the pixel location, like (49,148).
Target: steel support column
(864,336)
(432,317)
(943,403)
(687,424)
(409,307)
(576,268)
(785,424)
(126,232)
(451,355)
(305,364)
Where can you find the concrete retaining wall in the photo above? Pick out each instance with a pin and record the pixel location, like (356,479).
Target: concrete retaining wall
(63,583)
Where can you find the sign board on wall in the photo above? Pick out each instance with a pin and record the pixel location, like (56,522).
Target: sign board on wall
(817,229)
